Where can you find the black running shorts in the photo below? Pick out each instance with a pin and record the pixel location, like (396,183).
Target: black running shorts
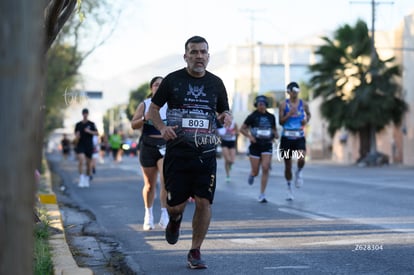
(84,149)
(287,144)
(150,151)
(228,143)
(257,149)
(185,177)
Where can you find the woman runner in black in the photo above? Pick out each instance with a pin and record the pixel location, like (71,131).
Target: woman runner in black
(260,128)
(151,157)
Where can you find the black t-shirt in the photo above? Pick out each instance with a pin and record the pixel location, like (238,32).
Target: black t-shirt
(192,105)
(65,144)
(261,126)
(86,139)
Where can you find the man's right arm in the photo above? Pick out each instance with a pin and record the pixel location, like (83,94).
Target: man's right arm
(167,132)
(139,117)
(282,116)
(77,131)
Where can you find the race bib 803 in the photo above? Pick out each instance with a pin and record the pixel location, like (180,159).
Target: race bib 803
(195,123)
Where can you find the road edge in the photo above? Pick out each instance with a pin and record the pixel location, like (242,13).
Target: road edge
(63,261)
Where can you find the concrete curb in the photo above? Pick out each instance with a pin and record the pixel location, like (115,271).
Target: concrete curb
(63,261)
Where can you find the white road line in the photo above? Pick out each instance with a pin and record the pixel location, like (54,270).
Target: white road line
(304,214)
(286,267)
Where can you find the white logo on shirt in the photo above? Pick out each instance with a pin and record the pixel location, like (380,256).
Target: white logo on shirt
(196,91)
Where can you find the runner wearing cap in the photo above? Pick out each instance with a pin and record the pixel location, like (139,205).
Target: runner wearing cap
(293,116)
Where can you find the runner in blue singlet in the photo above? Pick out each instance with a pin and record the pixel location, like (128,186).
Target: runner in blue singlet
(293,116)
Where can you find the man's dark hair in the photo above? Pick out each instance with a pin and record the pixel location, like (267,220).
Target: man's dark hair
(195,39)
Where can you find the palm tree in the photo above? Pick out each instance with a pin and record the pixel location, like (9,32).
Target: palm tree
(359,95)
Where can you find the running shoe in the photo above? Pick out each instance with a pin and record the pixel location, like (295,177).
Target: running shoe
(194,259)
(289,192)
(250,180)
(164,220)
(86,181)
(81,183)
(228,179)
(262,198)
(298,179)
(172,231)
(148,222)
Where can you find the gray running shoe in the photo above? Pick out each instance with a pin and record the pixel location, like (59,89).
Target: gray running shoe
(194,259)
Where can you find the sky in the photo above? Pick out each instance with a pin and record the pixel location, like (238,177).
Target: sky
(150,29)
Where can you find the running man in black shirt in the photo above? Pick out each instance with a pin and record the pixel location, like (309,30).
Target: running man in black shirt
(195,99)
(84,131)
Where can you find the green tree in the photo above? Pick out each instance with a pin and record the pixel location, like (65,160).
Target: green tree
(67,34)
(114,119)
(135,97)
(61,77)
(29,29)
(359,95)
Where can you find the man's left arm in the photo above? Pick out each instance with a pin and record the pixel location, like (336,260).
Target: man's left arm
(307,113)
(93,131)
(225,116)
(274,129)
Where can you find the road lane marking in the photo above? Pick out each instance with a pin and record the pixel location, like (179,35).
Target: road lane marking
(305,214)
(287,267)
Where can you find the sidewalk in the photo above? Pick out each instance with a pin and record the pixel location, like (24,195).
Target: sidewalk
(63,261)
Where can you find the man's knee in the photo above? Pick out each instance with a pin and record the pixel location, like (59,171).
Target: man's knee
(202,203)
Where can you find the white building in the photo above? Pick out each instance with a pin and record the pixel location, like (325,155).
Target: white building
(249,69)
(405,52)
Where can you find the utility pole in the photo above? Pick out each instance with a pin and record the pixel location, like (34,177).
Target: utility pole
(374,3)
(252,18)
(373,154)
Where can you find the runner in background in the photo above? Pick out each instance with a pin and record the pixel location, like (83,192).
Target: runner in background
(228,137)
(260,128)
(84,132)
(294,114)
(151,157)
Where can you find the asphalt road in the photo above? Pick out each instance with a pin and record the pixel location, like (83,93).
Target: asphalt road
(344,220)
